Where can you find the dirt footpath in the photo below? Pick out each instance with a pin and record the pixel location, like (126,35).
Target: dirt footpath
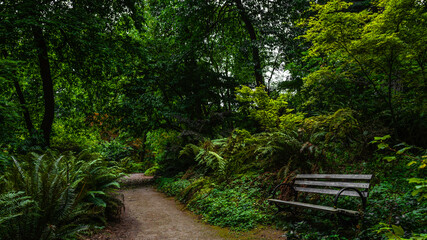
(153,216)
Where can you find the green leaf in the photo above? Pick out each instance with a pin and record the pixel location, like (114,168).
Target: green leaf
(401,151)
(382,145)
(389,158)
(92,193)
(423,196)
(415,180)
(411,163)
(99,202)
(415,192)
(115,184)
(398,230)
(382,138)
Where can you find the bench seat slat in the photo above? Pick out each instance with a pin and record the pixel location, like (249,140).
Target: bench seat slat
(332,184)
(313,206)
(329,191)
(335,176)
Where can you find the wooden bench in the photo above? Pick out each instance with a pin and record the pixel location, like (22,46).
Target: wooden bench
(355,185)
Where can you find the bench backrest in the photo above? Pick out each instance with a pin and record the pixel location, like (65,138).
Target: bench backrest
(332,183)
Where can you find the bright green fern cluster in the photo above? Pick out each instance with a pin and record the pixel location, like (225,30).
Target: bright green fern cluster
(243,151)
(56,197)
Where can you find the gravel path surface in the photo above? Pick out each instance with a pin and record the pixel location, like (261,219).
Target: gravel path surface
(150,215)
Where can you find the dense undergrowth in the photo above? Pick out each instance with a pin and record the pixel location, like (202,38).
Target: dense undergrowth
(52,196)
(240,203)
(231,178)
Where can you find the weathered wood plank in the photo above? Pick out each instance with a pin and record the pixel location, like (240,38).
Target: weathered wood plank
(313,206)
(332,184)
(335,176)
(329,191)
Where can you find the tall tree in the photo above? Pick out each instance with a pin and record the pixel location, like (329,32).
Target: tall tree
(382,48)
(51,35)
(259,79)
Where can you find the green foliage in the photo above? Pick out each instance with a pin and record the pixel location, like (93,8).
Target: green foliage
(206,156)
(272,114)
(401,152)
(420,187)
(229,208)
(392,207)
(4,161)
(378,48)
(157,143)
(162,149)
(320,137)
(421,182)
(339,126)
(172,75)
(152,170)
(243,152)
(235,204)
(73,134)
(115,150)
(397,232)
(66,193)
(171,186)
(13,205)
(9,114)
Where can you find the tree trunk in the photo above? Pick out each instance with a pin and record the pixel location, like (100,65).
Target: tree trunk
(48,96)
(259,80)
(21,99)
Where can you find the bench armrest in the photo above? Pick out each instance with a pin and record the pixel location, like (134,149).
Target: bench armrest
(289,185)
(350,188)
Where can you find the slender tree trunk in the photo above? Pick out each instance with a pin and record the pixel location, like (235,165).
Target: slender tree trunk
(259,80)
(48,95)
(21,99)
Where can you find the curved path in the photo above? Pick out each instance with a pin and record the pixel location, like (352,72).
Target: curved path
(153,216)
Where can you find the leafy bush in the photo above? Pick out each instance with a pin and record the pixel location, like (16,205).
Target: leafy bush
(393,204)
(229,208)
(272,114)
(151,171)
(57,196)
(15,208)
(9,113)
(73,134)
(235,204)
(243,152)
(4,161)
(115,150)
(132,164)
(162,148)
(171,186)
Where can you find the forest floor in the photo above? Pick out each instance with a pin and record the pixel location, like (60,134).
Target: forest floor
(152,215)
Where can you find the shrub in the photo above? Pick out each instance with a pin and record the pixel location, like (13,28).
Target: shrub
(244,152)
(73,134)
(229,208)
(151,171)
(171,186)
(115,150)
(58,196)
(235,204)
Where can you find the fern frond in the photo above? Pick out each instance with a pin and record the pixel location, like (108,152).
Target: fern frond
(190,150)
